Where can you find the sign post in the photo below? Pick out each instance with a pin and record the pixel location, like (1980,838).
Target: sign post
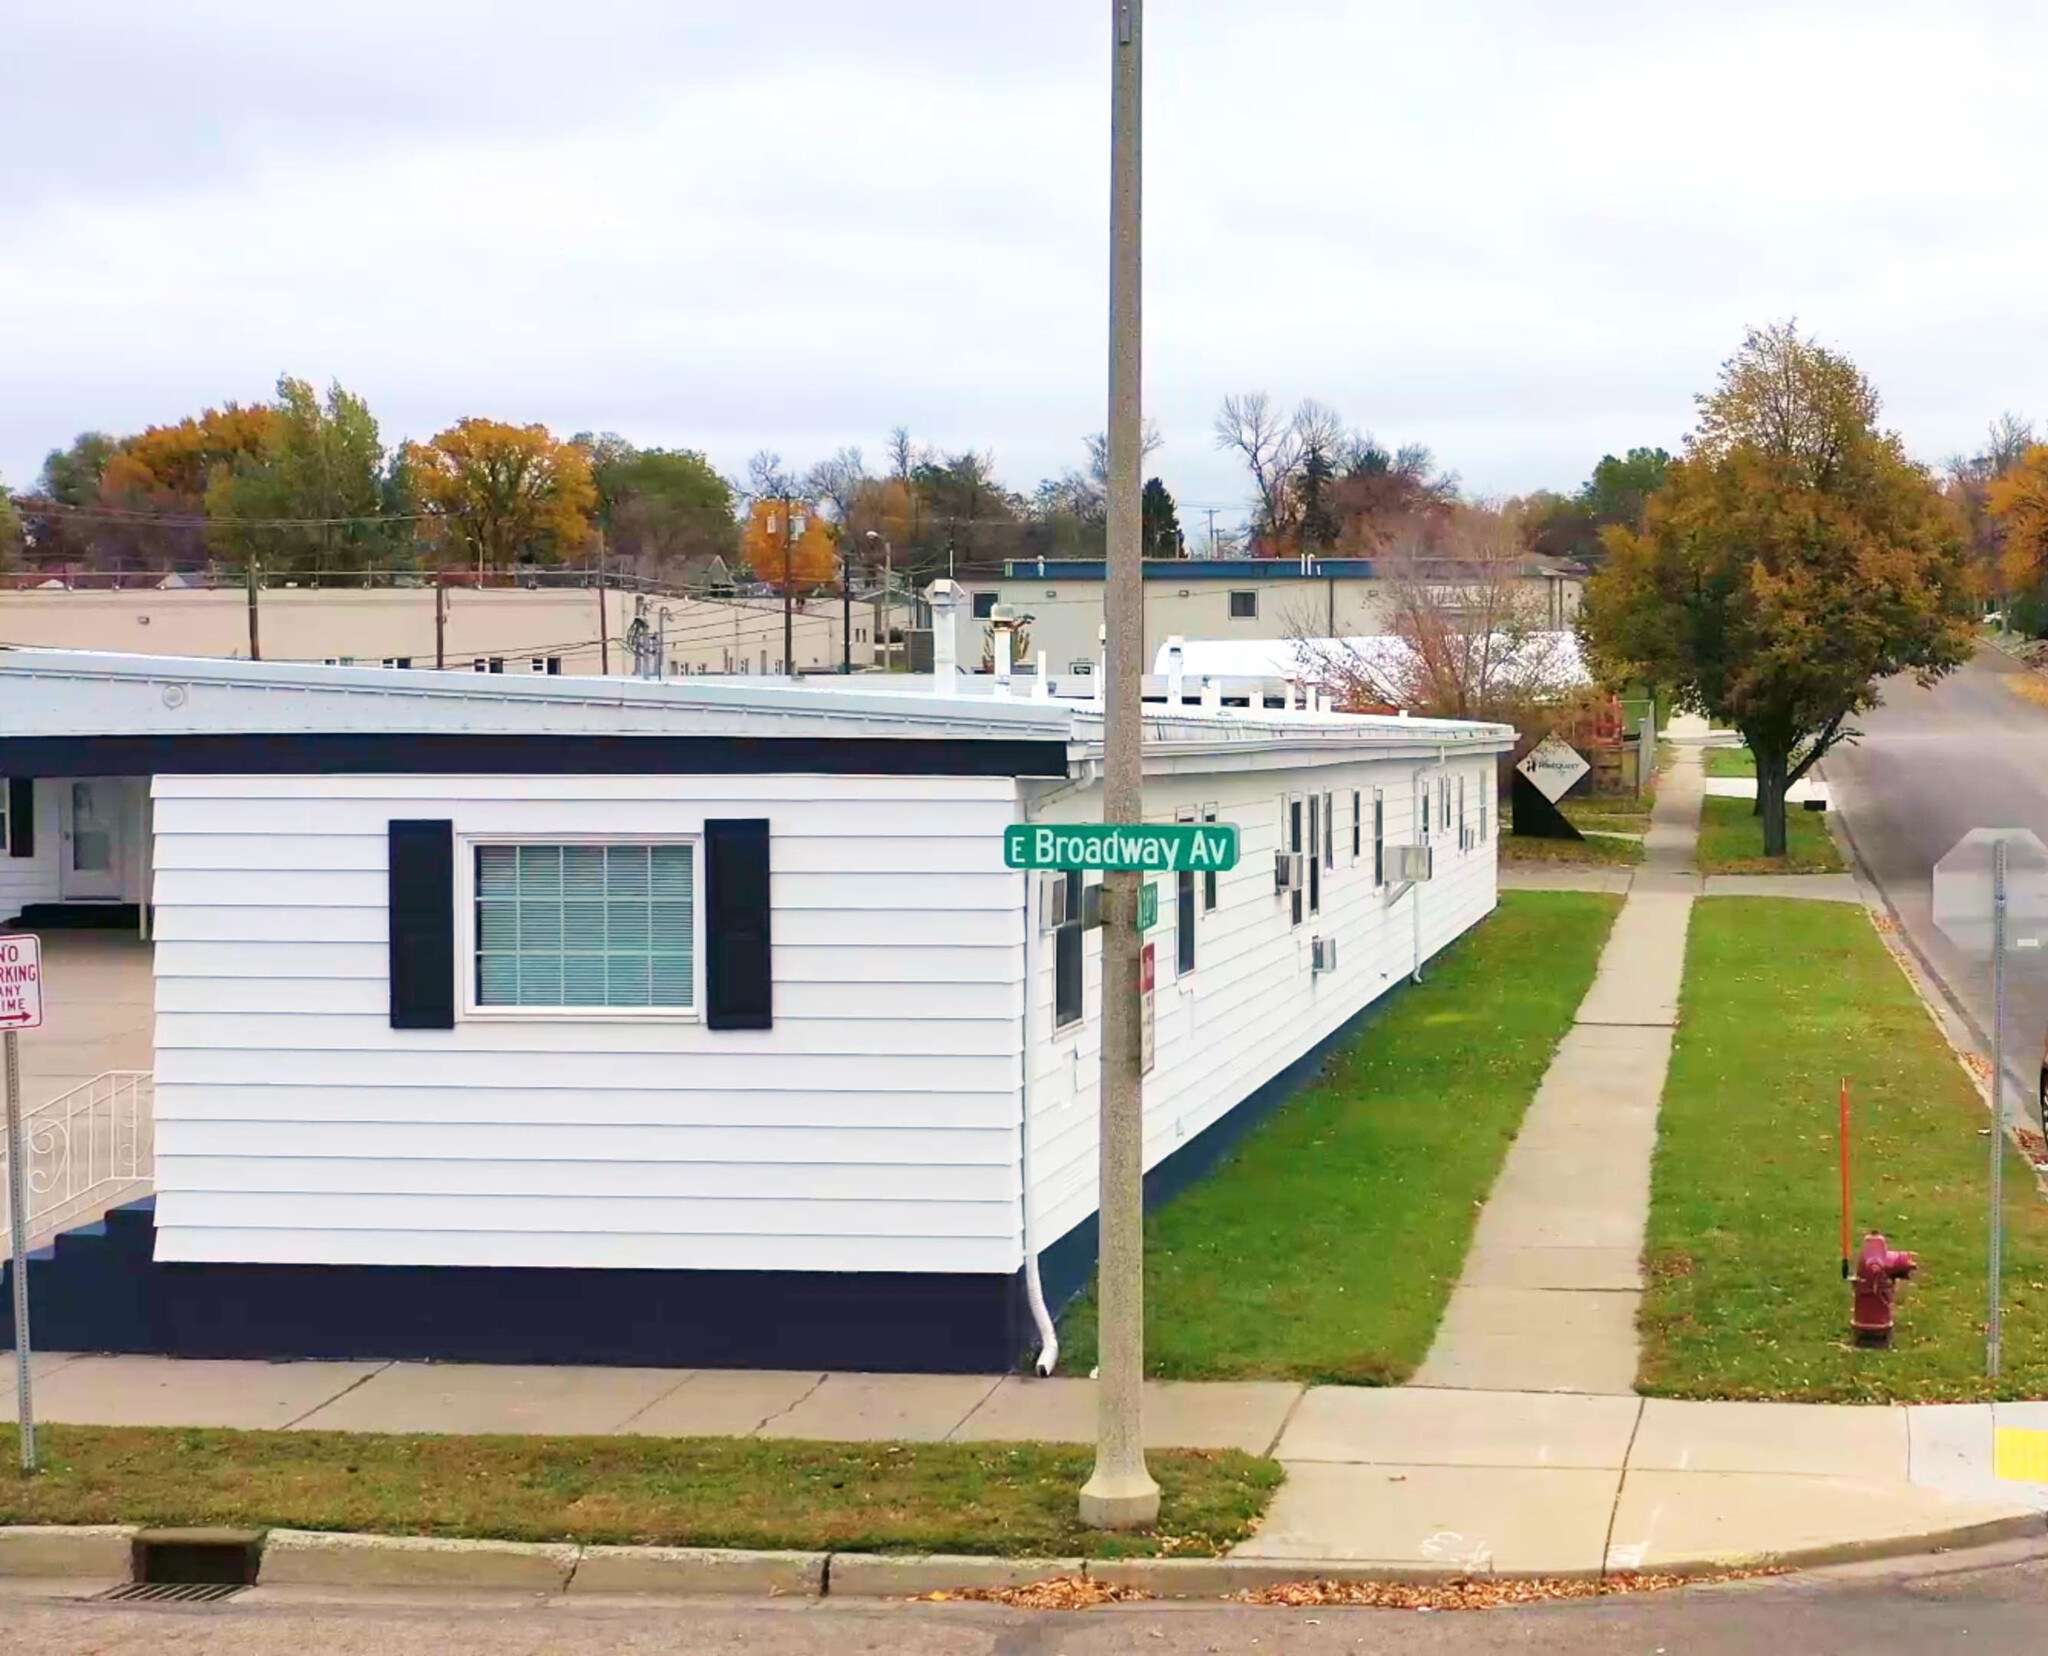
(21,1007)
(1991,896)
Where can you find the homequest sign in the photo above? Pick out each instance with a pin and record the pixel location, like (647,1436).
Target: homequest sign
(1116,847)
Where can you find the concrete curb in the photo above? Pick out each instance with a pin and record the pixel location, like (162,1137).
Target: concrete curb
(691,1570)
(319,1559)
(311,1558)
(894,1575)
(68,1550)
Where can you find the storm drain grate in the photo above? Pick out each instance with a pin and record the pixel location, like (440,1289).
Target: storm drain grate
(170,1592)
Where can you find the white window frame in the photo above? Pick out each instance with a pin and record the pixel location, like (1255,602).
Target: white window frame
(466,847)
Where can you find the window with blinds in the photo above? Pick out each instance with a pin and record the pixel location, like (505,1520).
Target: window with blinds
(598,926)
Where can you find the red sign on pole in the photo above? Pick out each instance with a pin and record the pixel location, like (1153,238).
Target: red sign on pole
(1146,978)
(21,982)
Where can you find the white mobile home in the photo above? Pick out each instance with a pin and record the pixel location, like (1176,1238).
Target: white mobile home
(688,1023)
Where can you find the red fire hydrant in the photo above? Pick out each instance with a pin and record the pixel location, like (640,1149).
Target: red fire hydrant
(1879,1270)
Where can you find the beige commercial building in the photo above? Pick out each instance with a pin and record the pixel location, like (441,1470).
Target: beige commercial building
(508,630)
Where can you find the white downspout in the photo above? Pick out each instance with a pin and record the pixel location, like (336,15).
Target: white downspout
(1415,827)
(1034,1289)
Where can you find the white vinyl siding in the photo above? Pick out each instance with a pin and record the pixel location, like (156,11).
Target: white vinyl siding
(873,1128)
(1255,1006)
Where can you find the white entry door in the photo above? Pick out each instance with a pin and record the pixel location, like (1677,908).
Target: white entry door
(94,846)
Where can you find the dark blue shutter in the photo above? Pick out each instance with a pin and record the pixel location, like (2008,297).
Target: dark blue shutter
(21,816)
(422,925)
(739,978)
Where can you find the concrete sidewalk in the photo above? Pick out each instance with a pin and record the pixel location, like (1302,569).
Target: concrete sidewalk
(1402,1478)
(1548,1297)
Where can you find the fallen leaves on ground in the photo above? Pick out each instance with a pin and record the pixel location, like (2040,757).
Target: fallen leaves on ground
(1471,1592)
(1070,1592)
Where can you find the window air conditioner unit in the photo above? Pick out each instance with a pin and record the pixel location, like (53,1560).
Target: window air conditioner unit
(1052,901)
(1323,954)
(1411,862)
(1287,870)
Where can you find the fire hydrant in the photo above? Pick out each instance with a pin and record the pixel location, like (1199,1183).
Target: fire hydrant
(1879,1270)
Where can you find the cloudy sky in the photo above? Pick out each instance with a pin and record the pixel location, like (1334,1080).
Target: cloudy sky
(1523,232)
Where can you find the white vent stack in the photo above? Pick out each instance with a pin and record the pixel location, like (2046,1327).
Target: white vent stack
(945,597)
(1212,692)
(1176,672)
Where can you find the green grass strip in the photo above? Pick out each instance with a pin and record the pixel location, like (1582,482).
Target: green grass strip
(988,1498)
(1325,1247)
(1732,841)
(1726,761)
(1783,999)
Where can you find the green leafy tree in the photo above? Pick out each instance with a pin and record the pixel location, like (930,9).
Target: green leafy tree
(1162,537)
(71,476)
(1790,561)
(314,498)
(665,512)
(1570,526)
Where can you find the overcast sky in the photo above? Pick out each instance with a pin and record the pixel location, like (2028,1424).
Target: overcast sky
(1522,232)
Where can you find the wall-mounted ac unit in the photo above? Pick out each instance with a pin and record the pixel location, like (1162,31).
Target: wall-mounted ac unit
(1287,875)
(1323,954)
(1410,862)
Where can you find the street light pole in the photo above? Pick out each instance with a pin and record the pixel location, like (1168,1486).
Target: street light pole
(1120,1494)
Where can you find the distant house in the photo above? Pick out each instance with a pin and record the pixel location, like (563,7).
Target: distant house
(534,1018)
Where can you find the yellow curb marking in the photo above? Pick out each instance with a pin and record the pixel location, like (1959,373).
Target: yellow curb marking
(2022,1455)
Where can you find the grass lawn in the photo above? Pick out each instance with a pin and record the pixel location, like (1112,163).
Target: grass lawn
(1782,999)
(1518,849)
(992,1498)
(1732,841)
(1326,1245)
(1617,813)
(1735,761)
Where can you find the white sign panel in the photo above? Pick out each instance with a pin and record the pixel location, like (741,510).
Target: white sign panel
(1962,891)
(1553,764)
(21,982)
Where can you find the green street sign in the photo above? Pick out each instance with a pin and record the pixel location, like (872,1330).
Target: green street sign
(1148,906)
(1146,847)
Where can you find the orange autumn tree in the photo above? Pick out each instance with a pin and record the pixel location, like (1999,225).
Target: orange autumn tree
(505,494)
(163,473)
(777,530)
(2018,503)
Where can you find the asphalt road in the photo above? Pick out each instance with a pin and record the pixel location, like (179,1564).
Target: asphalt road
(1989,1603)
(1932,765)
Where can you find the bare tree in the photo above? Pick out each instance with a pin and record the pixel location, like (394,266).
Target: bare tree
(1468,631)
(1271,449)
(905,456)
(768,479)
(838,482)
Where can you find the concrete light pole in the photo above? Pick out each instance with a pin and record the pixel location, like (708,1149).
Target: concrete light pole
(1120,1494)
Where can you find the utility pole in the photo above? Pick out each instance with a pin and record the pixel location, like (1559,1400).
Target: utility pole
(846,611)
(604,637)
(1212,531)
(255,575)
(440,619)
(788,598)
(1120,1494)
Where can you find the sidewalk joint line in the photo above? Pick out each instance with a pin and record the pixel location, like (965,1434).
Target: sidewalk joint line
(660,1397)
(360,1380)
(762,1425)
(980,1402)
(1620,1484)
(1287,1419)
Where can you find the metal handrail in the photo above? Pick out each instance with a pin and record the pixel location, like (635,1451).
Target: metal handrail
(97,1137)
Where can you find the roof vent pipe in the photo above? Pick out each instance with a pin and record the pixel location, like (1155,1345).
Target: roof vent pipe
(944,597)
(1212,692)
(1176,673)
